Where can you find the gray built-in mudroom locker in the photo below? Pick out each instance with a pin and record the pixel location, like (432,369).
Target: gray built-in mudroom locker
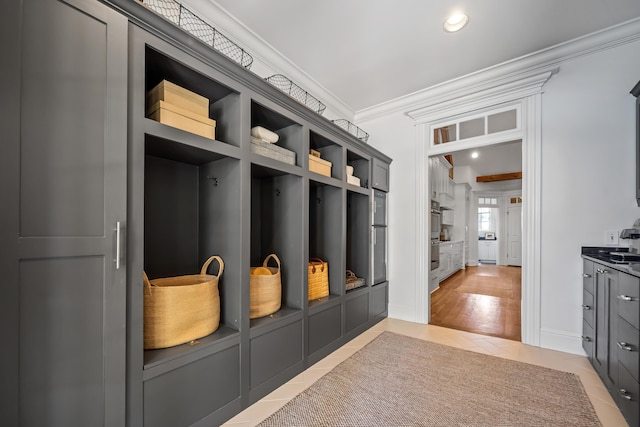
(98,189)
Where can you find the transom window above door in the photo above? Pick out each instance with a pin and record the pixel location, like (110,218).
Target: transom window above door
(478,125)
(487,201)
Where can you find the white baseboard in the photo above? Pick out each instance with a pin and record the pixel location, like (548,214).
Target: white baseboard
(400,312)
(561,341)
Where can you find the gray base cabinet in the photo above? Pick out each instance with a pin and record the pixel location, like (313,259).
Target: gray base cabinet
(611,336)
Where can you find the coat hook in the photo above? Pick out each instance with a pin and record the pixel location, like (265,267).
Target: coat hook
(214,179)
(277,192)
(318,200)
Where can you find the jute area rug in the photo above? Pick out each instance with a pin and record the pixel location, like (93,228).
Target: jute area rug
(401,381)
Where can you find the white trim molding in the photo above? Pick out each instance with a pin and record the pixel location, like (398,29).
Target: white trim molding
(523,91)
(423,231)
(561,341)
(531,219)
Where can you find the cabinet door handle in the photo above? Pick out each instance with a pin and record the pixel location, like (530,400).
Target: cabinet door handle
(626,298)
(586,275)
(624,346)
(587,339)
(625,394)
(118,233)
(586,307)
(601,271)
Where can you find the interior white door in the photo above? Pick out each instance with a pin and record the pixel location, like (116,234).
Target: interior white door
(514,235)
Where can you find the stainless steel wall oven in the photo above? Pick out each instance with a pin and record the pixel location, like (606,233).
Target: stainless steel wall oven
(435,221)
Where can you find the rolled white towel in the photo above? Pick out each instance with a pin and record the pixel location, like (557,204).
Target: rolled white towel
(264,134)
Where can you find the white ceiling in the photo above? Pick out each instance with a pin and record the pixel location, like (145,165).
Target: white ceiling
(493,159)
(367,52)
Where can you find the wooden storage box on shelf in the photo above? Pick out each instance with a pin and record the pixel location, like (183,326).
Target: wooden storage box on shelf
(273,151)
(178,96)
(181,309)
(265,289)
(172,115)
(318,279)
(318,165)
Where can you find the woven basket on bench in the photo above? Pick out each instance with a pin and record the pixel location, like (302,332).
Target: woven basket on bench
(318,278)
(181,309)
(265,293)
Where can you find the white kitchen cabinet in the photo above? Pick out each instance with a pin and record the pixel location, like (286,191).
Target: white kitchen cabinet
(487,250)
(447,217)
(434,279)
(442,187)
(451,259)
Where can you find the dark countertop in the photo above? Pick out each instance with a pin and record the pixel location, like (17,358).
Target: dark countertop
(599,254)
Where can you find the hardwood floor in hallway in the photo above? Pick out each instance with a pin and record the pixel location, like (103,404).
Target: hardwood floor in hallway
(485,300)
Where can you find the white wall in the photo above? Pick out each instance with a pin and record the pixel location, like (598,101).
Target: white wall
(588,184)
(588,174)
(395,136)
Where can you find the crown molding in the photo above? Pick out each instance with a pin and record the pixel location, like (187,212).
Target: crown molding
(483,95)
(507,72)
(267,59)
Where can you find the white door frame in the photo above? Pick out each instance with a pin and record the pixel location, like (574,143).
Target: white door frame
(525,92)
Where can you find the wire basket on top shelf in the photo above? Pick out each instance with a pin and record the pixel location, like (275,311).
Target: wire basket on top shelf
(185,19)
(296,92)
(352,129)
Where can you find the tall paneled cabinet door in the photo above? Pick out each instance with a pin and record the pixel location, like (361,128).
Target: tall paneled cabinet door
(380,291)
(63,187)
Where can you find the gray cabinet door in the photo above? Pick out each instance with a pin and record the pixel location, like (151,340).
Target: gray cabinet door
(605,358)
(379,207)
(379,255)
(380,174)
(602,321)
(63,162)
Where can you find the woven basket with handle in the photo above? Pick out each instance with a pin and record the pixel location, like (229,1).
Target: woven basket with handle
(265,290)
(352,281)
(318,278)
(182,308)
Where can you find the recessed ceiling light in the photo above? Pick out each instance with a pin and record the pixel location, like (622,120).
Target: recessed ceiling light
(455,22)
(474,155)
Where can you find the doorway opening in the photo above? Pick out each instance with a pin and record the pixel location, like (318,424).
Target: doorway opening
(477,285)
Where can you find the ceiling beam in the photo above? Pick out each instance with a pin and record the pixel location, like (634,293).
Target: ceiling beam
(499,177)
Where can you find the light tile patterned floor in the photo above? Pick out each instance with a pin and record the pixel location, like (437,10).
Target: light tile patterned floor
(609,414)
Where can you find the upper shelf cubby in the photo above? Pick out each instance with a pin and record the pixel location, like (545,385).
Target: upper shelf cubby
(360,167)
(329,151)
(224,102)
(288,131)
